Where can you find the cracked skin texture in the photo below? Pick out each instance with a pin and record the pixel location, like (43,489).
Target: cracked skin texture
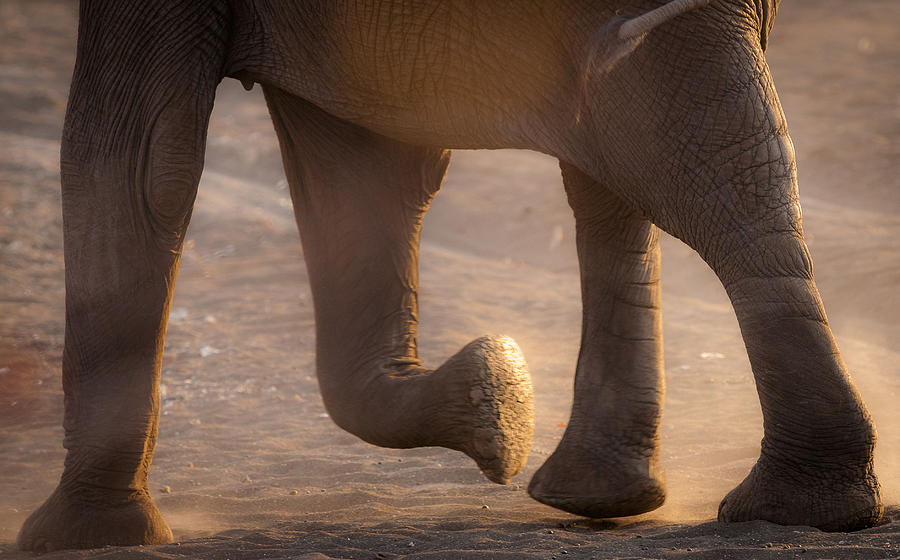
(750,234)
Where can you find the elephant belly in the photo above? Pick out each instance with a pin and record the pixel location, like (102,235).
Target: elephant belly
(454,74)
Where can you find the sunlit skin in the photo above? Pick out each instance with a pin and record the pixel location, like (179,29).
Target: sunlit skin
(666,123)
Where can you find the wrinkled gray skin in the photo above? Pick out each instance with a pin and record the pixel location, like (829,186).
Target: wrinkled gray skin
(684,133)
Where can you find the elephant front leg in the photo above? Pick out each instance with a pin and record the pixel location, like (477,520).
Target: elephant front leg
(607,464)
(359,199)
(131,159)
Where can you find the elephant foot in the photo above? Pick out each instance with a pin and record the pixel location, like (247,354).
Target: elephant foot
(830,500)
(85,520)
(584,482)
(494,411)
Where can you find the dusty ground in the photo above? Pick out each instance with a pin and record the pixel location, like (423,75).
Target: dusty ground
(249,465)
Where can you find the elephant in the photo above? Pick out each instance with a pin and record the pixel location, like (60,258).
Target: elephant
(663,116)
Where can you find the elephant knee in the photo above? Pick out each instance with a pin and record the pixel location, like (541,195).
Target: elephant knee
(168,200)
(763,255)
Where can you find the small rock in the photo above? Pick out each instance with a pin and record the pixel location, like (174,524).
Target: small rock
(247,479)
(485,507)
(190,465)
(294,492)
(411,544)
(166,489)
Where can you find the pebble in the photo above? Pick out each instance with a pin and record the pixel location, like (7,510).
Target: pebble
(208,351)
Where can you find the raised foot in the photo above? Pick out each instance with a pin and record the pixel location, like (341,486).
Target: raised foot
(499,406)
(598,483)
(84,519)
(831,500)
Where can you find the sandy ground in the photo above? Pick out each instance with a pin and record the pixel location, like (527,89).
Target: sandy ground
(249,465)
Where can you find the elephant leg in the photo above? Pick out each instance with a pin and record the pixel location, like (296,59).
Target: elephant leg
(815,465)
(131,158)
(359,199)
(703,151)
(816,460)
(607,464)
(739,208)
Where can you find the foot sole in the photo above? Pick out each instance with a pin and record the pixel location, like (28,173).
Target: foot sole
(502,401)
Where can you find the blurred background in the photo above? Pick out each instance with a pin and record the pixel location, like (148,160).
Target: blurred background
(244,440)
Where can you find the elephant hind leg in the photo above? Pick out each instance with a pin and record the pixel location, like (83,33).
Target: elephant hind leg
(718,172)
(359,199)
(607,464)
(816,457)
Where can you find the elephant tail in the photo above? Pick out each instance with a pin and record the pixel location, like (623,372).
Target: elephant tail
(641,25)
(622,35)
